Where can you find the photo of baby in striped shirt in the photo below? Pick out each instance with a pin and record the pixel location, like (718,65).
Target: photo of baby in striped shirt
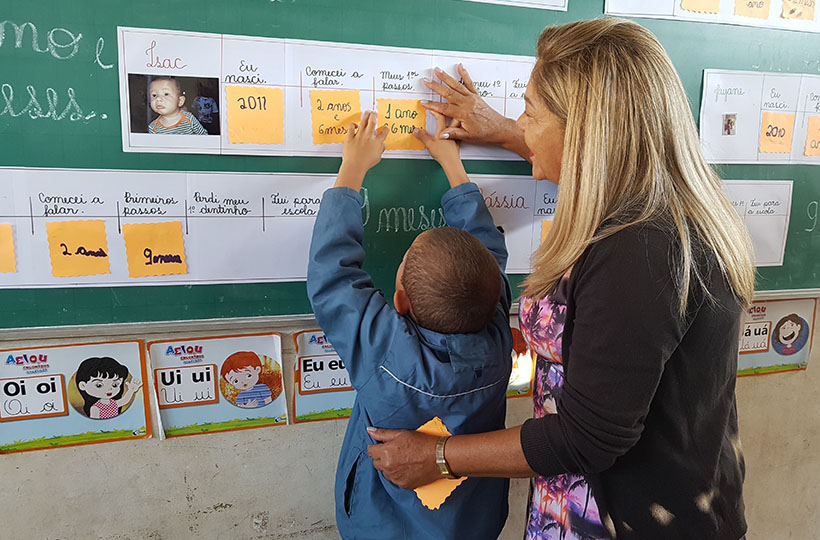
(167,100)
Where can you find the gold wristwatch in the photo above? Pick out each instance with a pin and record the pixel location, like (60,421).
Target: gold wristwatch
(440,461)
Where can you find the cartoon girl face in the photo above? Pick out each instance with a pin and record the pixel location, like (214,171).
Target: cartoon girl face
(101,387)
(789,332)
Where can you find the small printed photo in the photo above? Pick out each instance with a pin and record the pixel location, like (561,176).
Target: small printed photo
(160,104)
(250,380)
(102,388)
(729,124)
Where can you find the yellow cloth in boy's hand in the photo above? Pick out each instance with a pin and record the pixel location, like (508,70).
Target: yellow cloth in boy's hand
(433,495)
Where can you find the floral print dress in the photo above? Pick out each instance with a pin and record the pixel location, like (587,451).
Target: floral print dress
(560,507)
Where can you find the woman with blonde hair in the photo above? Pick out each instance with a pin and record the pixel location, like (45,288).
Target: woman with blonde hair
(633,308)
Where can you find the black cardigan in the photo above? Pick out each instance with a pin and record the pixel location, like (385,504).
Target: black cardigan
(647,411)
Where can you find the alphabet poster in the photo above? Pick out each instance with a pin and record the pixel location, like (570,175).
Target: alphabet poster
(322,388)
(192,92)
(55,396)
(523,364)
(220,383)
(776,335)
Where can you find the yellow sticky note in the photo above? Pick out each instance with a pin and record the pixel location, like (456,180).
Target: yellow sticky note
(7,261)
(546,225)
(433,495)
(801,10)
(813,137)
(701,6)
(77,248)
(776,133)
(255,115)
(333,111)
(154,249)
(402,116)
(759,9)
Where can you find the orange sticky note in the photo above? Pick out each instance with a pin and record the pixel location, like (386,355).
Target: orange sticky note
(333,111)
(255,115)
(776,133)
(800,10)
(758,9)
(154,249)
(813,137)
(402,116)
(7,260)
(701,6)
(546,225)
(433,495)
(77,248)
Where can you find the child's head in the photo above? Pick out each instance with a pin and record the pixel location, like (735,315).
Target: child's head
(448,282)
(100,378)
(242,369)
(166,96)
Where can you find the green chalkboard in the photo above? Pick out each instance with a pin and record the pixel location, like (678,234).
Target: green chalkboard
(48,67)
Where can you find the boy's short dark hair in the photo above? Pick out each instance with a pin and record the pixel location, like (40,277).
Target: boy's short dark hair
(168,78)
(452,281)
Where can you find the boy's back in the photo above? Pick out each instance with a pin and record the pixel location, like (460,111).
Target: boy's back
(405,375)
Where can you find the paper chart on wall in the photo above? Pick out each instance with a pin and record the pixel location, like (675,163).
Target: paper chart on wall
(96,227)
(753,117)
(115,228)
(321,384)
(219,383)
(765,207)
(798,15)
(54,396)
(557,5)
(519,206)
(776,335)
(191,92)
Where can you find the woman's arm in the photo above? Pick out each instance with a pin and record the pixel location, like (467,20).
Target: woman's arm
(474,120)
(408,458)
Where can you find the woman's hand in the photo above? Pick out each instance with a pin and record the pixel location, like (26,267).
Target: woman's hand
(407,458)
(363,148)
(475,121)
(444,151)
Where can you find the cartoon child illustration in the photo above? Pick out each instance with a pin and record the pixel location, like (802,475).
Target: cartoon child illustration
(167,100)
(101,382)
(789,335)
(241,370)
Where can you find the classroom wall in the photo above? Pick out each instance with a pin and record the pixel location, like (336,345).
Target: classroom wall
(274,483)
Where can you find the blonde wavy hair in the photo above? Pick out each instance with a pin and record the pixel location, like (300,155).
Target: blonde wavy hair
(631,155)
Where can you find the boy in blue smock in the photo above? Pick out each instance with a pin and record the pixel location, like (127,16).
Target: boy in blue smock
(443,350)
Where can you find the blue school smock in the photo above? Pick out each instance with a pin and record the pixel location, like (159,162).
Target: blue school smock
(405,375)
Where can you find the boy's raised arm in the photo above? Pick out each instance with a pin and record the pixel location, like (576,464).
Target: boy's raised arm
(348,307)
(463,205)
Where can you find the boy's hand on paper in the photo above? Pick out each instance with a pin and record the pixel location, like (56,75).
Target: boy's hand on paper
(406,458)
(363,148)
(444,151)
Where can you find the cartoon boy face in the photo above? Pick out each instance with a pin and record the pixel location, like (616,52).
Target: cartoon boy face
(789,332)
(101,387)
(166,98)
(245,378)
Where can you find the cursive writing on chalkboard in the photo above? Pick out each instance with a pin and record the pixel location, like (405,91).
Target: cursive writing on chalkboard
(811,212)
(404,219)
(34,109)
(55,36)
